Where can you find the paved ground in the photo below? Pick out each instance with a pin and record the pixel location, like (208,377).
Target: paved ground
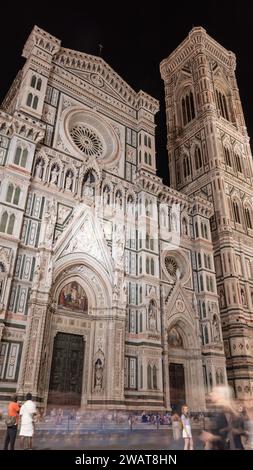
(160,439)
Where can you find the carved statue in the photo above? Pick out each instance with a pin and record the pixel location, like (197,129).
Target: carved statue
(88,190)
(216,330)
(152,316)
(50,219)
(54,175)
(119,244)
(36,275)
(115,292)
(98,375)
(68,183)
(39,169)
(222,298)
(243,297)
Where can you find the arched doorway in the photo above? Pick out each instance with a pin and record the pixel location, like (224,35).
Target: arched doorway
(65,386)
(176,370)
(66,376)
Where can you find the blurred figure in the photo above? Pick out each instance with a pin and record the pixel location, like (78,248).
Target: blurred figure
(249,425)
(27,413)
(72,414)
(227,423)
(176,426)
(187,433)
(59,416)
(12,423)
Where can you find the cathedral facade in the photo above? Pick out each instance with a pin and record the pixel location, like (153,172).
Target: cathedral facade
(108,294)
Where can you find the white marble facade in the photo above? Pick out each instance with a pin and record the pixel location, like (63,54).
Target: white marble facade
(95,247)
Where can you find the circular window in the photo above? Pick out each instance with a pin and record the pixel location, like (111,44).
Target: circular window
(86,140)
(87,134)
(171,266)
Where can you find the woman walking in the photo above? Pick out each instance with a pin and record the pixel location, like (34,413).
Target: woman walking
(186,425)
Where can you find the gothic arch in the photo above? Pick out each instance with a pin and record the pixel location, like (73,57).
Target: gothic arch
(185,330)
(91,275)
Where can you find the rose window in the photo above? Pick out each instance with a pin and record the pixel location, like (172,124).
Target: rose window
(86,140)
(171,266)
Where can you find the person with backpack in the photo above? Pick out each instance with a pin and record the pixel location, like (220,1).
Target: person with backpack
(12,424)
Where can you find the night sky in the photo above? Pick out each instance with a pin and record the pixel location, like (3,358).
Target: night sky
(135,36)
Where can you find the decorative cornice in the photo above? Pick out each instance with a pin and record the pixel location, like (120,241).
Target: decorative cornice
(40,38)
(193,204)
(82,62)
(197,41)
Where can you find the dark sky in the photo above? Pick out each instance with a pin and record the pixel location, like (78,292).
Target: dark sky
(136,36)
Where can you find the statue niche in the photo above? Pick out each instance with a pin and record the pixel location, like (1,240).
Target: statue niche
(73,297)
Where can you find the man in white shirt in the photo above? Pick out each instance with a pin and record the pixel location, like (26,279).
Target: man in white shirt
(27,413)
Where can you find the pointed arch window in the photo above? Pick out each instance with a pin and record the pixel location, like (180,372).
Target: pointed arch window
(149,373)
(36,82)
(198,158)
(152,267)
(147,265)
(33,81)
(201,283)
(188,108)
(10,193)
(13,194)
(227,157)
(236,212)
(206,336)
(3,223)
(20,157)
(204,309)
(199,260)
(196,230)
(222,104)
(35,102)
(32,101)
(247,214)
(7,223)
(186,166)
(39,83)
(154,378)
(238,163)
(140,265)
(11,224)
(29,99)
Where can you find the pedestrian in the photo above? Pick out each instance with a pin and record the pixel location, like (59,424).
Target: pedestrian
(186,425)
(227,427)
(176,429)
(27,413)
(12,424)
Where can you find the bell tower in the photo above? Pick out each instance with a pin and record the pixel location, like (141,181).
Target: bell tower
(209,155)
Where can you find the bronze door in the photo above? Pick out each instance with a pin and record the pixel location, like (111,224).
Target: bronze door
(177,385)
(65,386)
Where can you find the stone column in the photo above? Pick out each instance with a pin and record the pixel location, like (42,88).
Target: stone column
(30,365)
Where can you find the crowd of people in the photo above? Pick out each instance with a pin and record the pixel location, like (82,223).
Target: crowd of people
(229,425)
